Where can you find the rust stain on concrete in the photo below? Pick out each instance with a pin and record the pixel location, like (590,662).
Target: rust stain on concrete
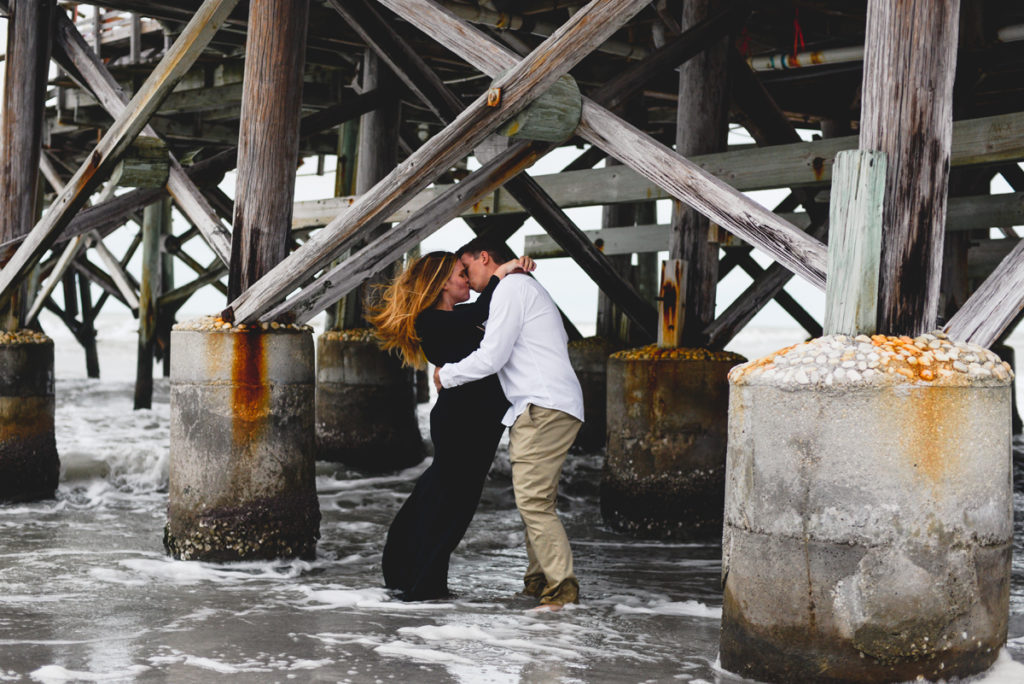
(250,400)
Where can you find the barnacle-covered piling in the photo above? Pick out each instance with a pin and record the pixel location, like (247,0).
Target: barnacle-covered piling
(241,464)
(664,474)
(868,513)
(29,465)
(365,404)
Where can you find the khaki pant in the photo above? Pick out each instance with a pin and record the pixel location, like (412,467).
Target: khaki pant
(538,443)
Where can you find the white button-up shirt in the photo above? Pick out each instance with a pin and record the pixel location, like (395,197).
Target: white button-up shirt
(526,345)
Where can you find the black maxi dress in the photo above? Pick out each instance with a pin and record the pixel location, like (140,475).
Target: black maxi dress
(465,426)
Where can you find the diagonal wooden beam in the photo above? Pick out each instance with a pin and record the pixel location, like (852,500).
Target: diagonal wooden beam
(783,298)
(176,62)
(518,86)
(769,127)
(689,183)
(349,274)
(98,79)
(421,79)
(412,70)
(994,305)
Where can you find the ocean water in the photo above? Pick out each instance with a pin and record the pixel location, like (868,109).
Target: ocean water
(87,593)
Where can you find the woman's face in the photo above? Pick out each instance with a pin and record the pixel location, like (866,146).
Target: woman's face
(456,290)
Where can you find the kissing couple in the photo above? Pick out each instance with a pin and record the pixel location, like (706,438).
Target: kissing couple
(500,361)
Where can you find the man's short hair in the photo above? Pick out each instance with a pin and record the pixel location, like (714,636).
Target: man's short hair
(499,251)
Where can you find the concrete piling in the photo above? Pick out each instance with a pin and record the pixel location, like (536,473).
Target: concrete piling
(29,465)
(868,514)
(365,404)
(664,474)
(242,480)
(589,358)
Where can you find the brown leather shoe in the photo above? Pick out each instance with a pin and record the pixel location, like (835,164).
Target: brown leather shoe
(567,591)
(533,585)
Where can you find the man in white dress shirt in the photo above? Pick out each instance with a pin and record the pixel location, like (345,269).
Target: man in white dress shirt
(526,345)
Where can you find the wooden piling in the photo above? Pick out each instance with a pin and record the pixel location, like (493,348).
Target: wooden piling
(377,156)
(268,139)
(26,68)
(702,125)
(149,292)
(906,112)
(855,232)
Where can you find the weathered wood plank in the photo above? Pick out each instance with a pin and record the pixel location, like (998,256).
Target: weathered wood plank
(907,113)
(99,80)
(994,305)
(176,61)
(977,141)
(752,300)
(87,331)
(376,156)
(179,295)
(149,291)
(25,73)
(782,298)
(360,266)
(854,243)
(632,79)
(21,126)
(117,273)
(612,241)
(520,85)
(732,210)
(56,276)
(401,58)
(268,139)
(702,126)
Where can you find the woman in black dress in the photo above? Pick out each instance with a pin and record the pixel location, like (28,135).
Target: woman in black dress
(423,317)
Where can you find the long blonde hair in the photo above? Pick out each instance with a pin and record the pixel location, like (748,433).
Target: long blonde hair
(416,289)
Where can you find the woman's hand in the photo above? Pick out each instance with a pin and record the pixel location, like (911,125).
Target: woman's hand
(521,265)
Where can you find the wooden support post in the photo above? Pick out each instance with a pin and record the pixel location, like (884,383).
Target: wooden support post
(672,303)
(906,112)
(196,35)
(86,334)
(166,318)
(376,157)
(610,318)
(702,125)
(135,39)
(26,65)
(152,227)
(521,84)
(70,293)
(268,139)
(646,274)
(344,184)
(854,243)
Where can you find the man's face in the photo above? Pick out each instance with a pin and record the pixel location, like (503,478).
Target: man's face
(477,269)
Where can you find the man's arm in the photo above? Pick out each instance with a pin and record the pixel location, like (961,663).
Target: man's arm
(503,327)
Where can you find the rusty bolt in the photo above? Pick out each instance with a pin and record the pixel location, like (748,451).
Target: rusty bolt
(493,97)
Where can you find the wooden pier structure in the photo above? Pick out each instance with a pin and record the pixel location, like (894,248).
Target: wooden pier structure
(885,122)
(152,100)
